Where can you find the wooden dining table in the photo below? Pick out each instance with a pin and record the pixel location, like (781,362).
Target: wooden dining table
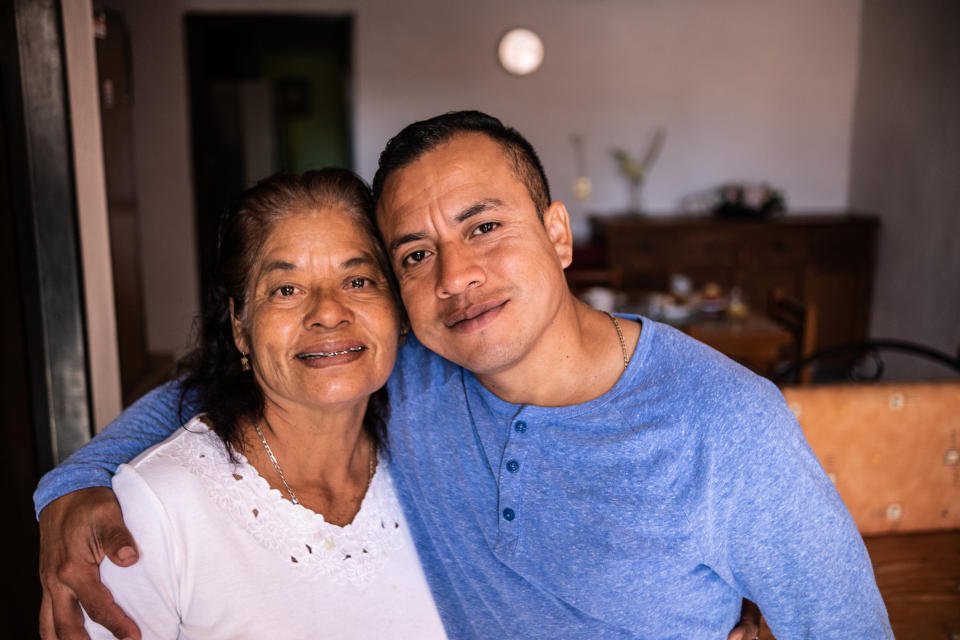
(754,341)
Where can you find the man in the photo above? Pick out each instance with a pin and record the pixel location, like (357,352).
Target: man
(565,473)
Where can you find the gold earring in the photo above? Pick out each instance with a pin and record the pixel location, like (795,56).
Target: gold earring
(244,362)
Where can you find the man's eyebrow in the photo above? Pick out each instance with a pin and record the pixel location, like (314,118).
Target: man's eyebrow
(405,239)
(466,214)
(478,208)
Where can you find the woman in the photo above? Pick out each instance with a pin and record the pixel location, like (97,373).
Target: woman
(272,515)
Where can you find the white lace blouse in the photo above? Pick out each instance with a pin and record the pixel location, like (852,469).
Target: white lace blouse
(222,555)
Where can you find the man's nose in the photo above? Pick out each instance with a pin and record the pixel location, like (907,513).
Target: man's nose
(329,309)
(460,270)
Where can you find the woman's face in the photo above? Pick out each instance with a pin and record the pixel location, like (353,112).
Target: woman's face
(320,324)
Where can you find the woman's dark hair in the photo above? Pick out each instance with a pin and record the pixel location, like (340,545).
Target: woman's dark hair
(212,372)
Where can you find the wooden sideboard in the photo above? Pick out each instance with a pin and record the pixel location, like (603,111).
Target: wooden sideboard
(827,259)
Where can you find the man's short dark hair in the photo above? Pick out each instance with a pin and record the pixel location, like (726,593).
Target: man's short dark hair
(420,137)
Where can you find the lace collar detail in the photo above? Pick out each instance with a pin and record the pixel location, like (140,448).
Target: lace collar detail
(302,538)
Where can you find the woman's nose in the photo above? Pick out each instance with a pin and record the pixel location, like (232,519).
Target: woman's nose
(328,309)
(460,270)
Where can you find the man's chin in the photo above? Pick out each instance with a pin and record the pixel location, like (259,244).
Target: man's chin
(483,358)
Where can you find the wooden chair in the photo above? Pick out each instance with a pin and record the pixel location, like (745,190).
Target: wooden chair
(800,319)
(891,450)
(863,361)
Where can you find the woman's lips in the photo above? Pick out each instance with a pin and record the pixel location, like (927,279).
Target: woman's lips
(475,317)
(329,355)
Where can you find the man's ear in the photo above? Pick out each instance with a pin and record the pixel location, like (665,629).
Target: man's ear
(239,333)
(556,220)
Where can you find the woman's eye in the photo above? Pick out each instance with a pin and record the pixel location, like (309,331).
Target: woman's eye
(286,290)
(360,283)
(486,227)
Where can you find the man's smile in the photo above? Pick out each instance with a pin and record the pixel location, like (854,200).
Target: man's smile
(474,317)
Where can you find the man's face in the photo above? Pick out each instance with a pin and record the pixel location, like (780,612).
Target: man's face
(481,276)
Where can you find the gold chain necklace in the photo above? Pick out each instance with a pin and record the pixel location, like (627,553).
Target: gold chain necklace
(623,345)
(283,479)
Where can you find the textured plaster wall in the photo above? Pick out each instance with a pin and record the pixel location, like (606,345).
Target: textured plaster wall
(905,166)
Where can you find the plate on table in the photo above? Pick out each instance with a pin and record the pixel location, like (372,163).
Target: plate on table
(713,305)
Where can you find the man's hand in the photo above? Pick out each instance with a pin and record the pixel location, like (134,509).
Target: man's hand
(749,626)
(76,532)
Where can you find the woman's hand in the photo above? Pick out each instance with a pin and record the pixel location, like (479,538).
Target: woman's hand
(77,531)
(749,626)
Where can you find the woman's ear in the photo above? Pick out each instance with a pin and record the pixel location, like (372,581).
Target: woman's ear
(239,333)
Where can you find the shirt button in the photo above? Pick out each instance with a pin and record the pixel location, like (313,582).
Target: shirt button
(520,426)
(509,514)
(513,466)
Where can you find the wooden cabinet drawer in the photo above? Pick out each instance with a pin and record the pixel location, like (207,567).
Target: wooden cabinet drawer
(700,250)
(783,250)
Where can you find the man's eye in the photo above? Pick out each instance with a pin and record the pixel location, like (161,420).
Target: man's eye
(486,227)
(286,290)
(415,257)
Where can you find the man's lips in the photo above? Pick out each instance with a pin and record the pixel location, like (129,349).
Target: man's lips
(475,316)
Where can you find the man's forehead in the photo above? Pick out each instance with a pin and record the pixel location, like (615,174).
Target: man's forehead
(456,169)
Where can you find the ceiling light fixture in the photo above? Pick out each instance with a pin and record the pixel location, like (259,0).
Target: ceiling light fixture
(520,51)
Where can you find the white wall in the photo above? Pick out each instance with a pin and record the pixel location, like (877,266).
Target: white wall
(905,166)
(747,89)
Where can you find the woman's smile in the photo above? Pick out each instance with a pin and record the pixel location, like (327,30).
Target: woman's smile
(317,358)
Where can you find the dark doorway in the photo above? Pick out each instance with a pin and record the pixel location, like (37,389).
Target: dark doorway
(267,93)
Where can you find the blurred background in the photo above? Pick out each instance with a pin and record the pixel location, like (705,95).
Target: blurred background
(129,125)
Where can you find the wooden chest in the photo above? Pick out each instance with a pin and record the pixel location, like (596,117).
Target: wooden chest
(824,259)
